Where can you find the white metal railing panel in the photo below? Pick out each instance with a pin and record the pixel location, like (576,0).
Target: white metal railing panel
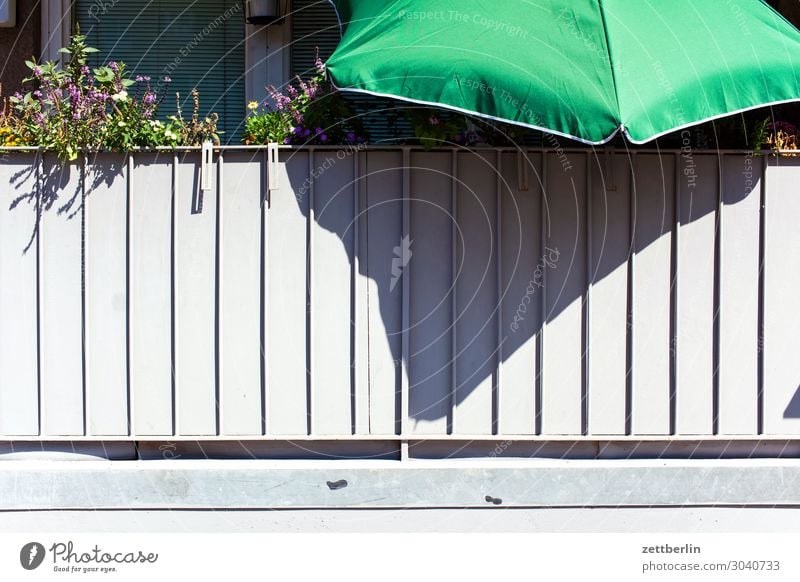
(399,293)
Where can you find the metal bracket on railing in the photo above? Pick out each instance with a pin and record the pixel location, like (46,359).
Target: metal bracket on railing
(273,160)
(207,159)
(611,182)
(522,171)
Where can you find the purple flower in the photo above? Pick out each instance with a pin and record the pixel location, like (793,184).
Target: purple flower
(139,78)
(318,130)
(168,79)
(37,94)
(287,141)
(323,137)
(783,126)
(85,70)
(306,133)
(298,130)
(149,98)
(113,66)
(37,71)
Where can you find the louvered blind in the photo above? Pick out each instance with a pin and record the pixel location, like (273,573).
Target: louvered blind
(198,43)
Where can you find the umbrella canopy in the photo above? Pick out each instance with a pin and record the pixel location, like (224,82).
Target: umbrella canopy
(584,69)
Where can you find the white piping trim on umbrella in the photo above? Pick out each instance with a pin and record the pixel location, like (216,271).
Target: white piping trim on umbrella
(339,18)
(707,119)
(605,140)
(481,115)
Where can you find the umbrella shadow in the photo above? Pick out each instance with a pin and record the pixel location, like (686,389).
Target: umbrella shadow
(793,408)
(468,315)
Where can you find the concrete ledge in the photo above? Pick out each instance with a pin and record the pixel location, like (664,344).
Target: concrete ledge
(392,484)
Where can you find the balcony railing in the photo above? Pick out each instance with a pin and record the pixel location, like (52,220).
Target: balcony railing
(400,294)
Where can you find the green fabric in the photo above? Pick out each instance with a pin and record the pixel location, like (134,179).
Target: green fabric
(580,68)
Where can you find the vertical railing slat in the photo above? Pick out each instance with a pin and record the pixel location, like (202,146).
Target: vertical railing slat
(454,274)
(520,293)
(19,359)
(195,300)
(498,257)
(692,345)
(608,316)
(477,295)
(739,292)
(427,261)
(61,299)
(360,300)
(106,295)
(781,399)
(652,297)
(406,299)
(239,198)
(564,260)
(151,191)
(286,326)
(331,293)
(384,234)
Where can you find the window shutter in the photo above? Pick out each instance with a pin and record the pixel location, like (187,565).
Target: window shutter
(198,44)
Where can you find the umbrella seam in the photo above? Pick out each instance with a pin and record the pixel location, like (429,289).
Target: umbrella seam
(610,61)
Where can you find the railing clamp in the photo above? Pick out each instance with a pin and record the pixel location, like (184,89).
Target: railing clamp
(207,159)
(273,161)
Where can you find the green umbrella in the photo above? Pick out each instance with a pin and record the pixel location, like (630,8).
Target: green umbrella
(583,69)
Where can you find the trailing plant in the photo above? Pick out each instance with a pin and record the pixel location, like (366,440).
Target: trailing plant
(313,112)
(775,135)
(74,108)
(12,130)
(436,127)
(195,130)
